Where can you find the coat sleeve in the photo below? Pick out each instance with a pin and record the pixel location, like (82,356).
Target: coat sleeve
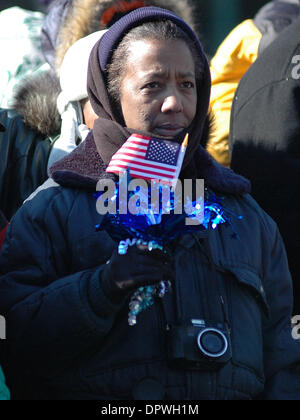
(282,351)
(23,161)
(52,317)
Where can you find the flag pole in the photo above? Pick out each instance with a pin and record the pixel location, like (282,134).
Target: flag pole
(180,159)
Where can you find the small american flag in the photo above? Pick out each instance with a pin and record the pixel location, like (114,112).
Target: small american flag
(147,158)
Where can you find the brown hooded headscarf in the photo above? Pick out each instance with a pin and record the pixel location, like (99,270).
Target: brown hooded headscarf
(109,132)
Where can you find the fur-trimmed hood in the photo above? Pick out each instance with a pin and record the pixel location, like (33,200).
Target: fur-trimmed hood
(84,18)
(35,100)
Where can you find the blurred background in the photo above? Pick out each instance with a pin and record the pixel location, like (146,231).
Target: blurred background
(215,18)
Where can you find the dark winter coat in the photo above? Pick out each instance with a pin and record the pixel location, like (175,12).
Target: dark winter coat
(273,18)
(3,227)
(23,161)
(264,139)
(4,394)
(66,340)
(234,57)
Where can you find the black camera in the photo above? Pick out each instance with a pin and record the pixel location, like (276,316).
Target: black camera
(199,346)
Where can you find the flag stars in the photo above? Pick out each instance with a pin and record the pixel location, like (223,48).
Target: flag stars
(147,158)
(164,152)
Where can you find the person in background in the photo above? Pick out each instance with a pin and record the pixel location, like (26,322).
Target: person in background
(223,329)
(67,21)
(4,392)
(73,104)
(20,32)
(234,57)
(3,221)
(264,138)
(24,154)
(27,161)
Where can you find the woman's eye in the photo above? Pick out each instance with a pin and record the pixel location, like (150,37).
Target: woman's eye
(188,85)
(152,85)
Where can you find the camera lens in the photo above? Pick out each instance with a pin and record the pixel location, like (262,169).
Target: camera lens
(212,342)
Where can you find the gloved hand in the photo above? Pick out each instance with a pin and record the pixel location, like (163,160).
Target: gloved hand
(137,268)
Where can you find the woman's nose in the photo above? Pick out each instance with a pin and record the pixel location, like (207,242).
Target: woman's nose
(172,103)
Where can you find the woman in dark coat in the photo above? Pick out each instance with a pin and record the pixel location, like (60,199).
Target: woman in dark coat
(223,329)
(265,148)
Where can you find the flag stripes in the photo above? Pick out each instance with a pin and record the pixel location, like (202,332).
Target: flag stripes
(146,158)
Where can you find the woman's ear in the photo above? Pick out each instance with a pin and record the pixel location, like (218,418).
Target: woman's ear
(89,115)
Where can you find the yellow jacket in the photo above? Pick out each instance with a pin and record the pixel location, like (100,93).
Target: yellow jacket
(233,58)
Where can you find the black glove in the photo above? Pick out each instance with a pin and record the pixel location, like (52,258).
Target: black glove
(137,268)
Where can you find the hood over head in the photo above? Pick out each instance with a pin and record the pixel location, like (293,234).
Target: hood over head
(73,72)
(109,133)
(35,99)
(273,18)
(97,82)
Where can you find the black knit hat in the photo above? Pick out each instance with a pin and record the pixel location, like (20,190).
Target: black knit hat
(113,37)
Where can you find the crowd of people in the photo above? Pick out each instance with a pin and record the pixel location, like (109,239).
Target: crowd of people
(101,71)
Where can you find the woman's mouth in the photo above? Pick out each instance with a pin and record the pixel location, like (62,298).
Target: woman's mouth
(168,130)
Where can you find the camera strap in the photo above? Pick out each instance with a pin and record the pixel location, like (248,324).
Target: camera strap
(169,307)
(175,312)
(217,291)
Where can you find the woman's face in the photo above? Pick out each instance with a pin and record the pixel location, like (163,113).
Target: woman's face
(158,89)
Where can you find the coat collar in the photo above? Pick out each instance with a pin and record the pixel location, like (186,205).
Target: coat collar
(84,167)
